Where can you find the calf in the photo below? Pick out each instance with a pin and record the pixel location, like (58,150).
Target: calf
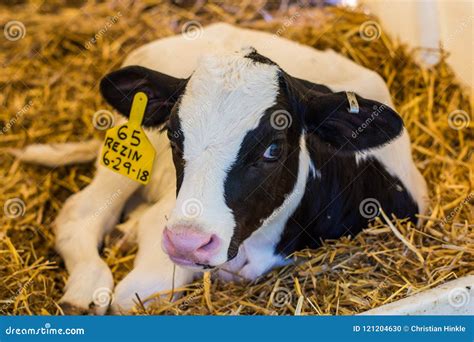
(261,152)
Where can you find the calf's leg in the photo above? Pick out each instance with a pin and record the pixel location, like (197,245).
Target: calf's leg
(80,228)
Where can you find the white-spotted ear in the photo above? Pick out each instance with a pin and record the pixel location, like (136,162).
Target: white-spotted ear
(119,87)
(344,120)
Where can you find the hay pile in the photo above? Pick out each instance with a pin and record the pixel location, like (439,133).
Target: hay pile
(49,93)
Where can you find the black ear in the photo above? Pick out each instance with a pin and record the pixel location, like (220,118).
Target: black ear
(373,124)
(328,115)
(119,87)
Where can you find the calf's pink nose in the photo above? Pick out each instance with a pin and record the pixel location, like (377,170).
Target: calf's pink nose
(187,245)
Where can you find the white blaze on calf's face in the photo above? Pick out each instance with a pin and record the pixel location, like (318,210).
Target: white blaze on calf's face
(225,98)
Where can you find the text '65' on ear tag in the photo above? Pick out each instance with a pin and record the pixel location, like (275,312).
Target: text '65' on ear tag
(127,149)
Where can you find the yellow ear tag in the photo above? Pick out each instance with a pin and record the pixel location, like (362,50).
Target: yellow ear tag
(127,149)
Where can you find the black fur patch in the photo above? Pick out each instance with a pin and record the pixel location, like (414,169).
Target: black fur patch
(330,207)
(258,58)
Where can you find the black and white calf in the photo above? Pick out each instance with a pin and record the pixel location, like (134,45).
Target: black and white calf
(267,157)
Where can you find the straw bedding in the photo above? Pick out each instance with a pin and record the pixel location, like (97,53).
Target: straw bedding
(49,93)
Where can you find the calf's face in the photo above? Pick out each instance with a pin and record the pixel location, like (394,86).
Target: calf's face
(237,129)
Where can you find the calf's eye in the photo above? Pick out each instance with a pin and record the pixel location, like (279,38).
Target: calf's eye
(273,152)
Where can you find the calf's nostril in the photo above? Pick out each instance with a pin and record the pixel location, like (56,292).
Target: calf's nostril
(210,245)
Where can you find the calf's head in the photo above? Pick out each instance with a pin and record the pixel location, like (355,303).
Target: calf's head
(238,129)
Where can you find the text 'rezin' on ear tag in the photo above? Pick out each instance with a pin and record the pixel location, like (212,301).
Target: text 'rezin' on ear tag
(127,149)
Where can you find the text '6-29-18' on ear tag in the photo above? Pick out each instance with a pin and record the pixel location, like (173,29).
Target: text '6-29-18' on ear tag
(127,149)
